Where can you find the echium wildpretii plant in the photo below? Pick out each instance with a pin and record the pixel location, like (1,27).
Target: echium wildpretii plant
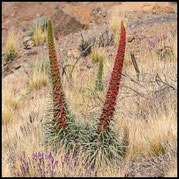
(105,146)
(113,89)
(60,129)
(60,107)
(99,83)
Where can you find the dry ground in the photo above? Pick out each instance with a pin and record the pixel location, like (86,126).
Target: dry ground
(146,107)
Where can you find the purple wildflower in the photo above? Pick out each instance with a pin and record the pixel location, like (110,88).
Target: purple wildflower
(24,154)
(56,162)
(22,169)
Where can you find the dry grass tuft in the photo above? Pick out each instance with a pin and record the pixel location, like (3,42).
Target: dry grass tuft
(11,46)
(38,80)
(151,137)
(114,25)
(39,37)
(39,77)
(97,54)
(7,115)
(11,102)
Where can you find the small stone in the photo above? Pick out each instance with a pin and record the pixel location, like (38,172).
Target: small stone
(7,21)
(57,6)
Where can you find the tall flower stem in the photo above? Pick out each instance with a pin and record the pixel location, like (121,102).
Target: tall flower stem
(60,108)
(99,83)
(113,89)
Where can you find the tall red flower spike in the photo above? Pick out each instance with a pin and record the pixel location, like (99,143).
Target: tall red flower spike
(60,107)
(113,89)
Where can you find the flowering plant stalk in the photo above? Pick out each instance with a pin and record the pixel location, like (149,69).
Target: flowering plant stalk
(60,128)
(60,107)
(113,89)
(99,83)
(105,147)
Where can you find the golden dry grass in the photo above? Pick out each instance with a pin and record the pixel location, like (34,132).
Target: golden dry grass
(38,80)
(97,54)
(11,48)
(11,101)
(11,44)
(39,37)
(22,116)
(39,75)
(151,138)
(115,25)
(23,137)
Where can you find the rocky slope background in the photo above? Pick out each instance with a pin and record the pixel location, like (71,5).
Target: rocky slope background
(147,98)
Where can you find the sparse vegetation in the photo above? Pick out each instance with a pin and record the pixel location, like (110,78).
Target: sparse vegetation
(39,74)
(38,79)
(99,83)
(41,23)
(85,47)
(38,31)
(7,114)
(114,25)
(11,50)
(97,54)
(42,65)
(146,108)
(10,103)
(39,37)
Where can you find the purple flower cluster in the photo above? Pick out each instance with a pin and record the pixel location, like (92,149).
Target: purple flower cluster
(45,165)
(66,160)
(91,170)
(159,39)
(151,45)
(39,164)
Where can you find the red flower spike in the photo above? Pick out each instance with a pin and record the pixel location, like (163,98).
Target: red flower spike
(57,129)
(113,88)
(60,108)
